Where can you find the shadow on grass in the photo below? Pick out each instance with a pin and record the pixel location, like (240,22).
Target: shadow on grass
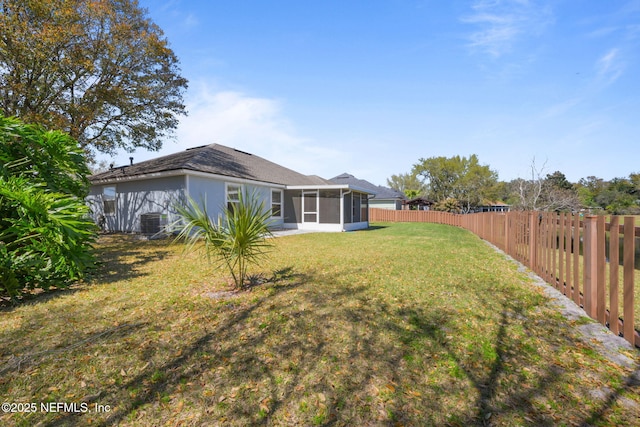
(630,384)
(120,257)
(313,351)
(29,358)
(37,297)
(375,227)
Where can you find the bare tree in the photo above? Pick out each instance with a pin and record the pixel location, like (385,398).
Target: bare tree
(546,193)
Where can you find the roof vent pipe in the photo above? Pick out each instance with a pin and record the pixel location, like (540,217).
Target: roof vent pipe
(131,160)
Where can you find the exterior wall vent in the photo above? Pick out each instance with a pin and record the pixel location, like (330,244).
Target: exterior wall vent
(152,223)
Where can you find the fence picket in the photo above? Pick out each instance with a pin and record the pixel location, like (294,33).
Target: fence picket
(628,295)
(614,260)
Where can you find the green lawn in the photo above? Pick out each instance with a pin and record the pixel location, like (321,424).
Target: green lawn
(403,324)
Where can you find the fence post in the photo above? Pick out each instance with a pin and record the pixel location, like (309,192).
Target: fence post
(533,237)
(628,257)
(568,243)
(600,268)
(561,246)
(576,260)
(614,260)
(590,272)
(507,240)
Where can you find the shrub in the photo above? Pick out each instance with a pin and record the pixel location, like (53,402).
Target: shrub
(45,231)
(448,205)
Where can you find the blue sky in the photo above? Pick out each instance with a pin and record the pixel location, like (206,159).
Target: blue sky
(370,87)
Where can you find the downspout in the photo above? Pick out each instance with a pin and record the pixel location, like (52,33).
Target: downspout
(342,207)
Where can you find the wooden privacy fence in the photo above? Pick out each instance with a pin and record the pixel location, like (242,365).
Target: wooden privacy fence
(589,260)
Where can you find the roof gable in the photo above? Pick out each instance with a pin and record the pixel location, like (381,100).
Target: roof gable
(379,191)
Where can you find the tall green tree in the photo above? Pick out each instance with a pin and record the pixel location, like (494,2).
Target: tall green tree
(589,189)
(459,178)
(407,183)
(99,70)
(619,197)
(45,230)
(559,181)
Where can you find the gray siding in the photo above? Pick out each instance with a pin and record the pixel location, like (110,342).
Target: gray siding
(206,189)
(385,204)
(135,198)
(214,192)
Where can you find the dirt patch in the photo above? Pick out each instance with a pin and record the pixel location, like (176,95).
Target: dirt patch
(220,295)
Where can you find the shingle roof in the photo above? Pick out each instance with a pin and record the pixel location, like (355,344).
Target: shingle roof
(215,159)
(379,191)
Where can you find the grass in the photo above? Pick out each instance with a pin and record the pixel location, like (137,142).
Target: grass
(403,324)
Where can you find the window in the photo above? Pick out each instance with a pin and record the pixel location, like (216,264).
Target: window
(276,203)
(109,200)
(233,196)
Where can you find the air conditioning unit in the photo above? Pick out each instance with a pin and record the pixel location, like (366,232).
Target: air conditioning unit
(152,223)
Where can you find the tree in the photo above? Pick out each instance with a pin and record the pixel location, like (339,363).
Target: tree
(238,240)
(448,205)
(559,181)
(619,197)
(551,193)
(460,178)
(589,189)
(407,183)
(45,232)
(98,70)
(559,194)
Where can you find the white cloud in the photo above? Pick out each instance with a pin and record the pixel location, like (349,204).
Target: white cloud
(560,108)
(252,124)
(501,23)
(190,21)
(231,117)
(609,67)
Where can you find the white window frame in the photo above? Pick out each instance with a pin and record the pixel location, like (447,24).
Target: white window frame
(227,200)
(109,198)
(279,204)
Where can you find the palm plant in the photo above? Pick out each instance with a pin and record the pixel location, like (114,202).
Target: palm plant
(238,238)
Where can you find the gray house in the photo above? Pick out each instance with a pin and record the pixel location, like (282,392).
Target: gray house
(142,197)
(384,197)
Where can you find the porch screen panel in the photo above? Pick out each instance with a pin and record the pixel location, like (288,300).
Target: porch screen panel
(293,207)
(364,207)
(356,207)
(330,207)
(347,208)
(310,206)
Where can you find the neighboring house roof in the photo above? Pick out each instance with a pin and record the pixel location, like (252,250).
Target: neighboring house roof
(379,191)
(215,159)
(420,201)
